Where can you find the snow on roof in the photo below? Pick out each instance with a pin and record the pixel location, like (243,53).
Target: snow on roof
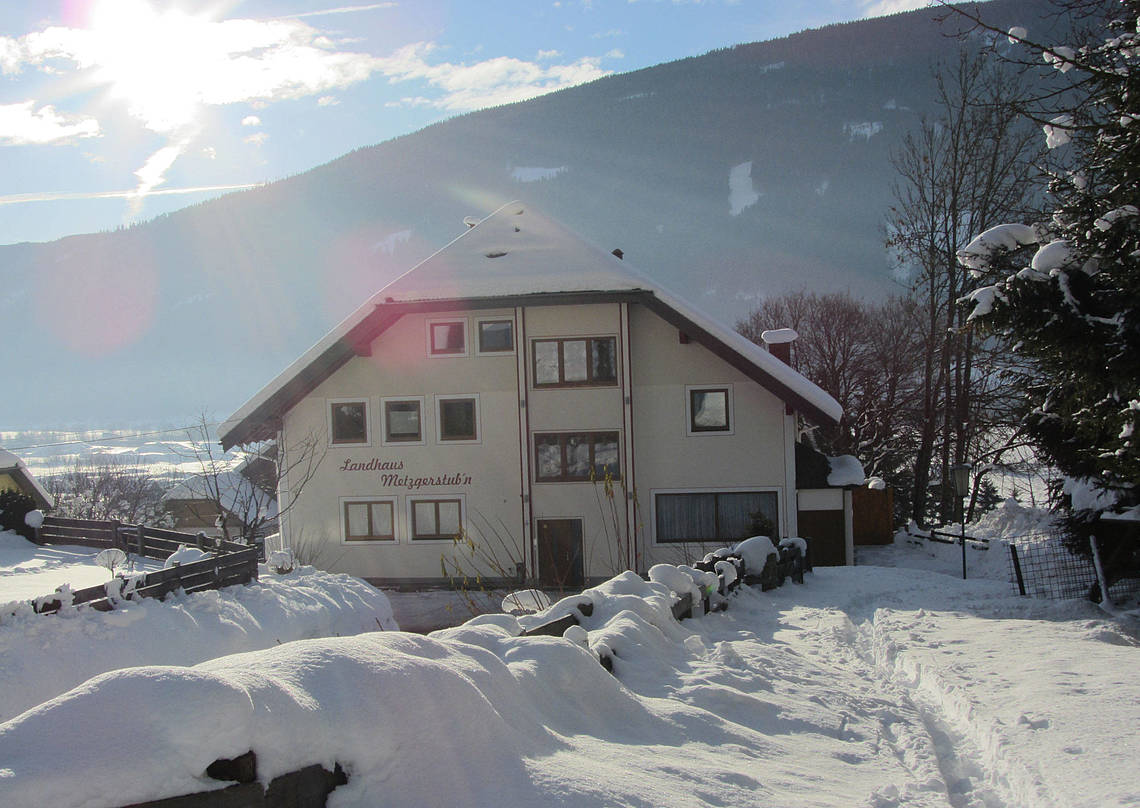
(515,252)
(13,464)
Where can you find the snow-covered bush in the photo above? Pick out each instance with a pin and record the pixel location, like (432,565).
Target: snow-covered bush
(14,508)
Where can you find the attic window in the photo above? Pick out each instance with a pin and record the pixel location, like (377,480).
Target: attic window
(496,254)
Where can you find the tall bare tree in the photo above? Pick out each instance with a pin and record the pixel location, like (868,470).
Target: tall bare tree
(960,172)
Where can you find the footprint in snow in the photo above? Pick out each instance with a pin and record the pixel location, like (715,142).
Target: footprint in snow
(1033,723)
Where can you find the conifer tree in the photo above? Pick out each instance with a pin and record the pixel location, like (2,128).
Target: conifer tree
(1067,290)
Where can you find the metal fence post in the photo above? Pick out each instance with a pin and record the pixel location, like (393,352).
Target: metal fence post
(1017,568)
(1102,579)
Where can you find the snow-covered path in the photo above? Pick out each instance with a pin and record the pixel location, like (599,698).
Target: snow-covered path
(868,687)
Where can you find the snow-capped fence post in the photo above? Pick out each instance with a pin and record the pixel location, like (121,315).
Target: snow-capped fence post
(141,539)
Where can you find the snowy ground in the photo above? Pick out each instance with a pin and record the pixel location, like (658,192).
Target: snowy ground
(872,686)
(42,656)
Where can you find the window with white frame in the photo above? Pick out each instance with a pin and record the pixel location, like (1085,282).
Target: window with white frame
(447,337)
(368,519)
(435,518)
(348,422)
(575,362)
(457,418)
(403,420)
(726,516)
(575,456)
(708,409)
(495,336)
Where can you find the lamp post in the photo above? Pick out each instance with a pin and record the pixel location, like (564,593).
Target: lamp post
(960,474)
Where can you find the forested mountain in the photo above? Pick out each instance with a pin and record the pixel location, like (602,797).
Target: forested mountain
(745,172)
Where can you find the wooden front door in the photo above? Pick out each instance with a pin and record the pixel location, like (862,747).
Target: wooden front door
(560,554)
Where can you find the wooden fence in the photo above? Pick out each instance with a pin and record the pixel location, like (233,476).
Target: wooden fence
(151,542)
(231,563)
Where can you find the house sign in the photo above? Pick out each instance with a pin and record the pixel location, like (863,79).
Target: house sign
(389,478)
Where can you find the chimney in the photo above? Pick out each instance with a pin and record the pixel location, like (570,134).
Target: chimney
(779,342)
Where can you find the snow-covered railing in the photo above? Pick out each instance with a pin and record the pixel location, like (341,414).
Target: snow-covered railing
(218,571)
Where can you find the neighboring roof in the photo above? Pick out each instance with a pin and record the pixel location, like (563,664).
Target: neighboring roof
(11,464)
(514,257)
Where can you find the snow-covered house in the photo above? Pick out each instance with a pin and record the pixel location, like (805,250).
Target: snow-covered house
(15,476)
(531,392)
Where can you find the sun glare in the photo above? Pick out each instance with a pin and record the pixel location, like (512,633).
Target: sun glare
(152,61)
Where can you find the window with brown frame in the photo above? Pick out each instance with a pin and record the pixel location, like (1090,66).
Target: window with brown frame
(402,420)
(348,421)
(458,418)
(447,338)
(436,518)
(370,520)
(575,362)
(576,457)
(710,409)
(496,336)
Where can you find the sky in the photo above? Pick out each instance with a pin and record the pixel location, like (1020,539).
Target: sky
(115,111)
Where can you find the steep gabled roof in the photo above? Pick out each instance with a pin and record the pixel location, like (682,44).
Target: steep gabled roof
(514,257)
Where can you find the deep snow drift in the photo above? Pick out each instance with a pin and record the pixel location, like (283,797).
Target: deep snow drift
(42,656)
(867,686)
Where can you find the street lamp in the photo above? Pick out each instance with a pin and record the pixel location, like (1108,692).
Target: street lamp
(960,474)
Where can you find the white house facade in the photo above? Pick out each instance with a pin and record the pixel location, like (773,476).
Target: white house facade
(532,395)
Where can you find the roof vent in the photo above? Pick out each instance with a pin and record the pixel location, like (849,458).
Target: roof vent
(618,254)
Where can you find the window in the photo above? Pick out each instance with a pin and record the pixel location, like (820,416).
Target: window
(435,519)
(403,420)
(576,456)
(709,410)
(369,520)
(711,516)
(348,421)
(569,362)
(447,337)
(496,336)
(458,418)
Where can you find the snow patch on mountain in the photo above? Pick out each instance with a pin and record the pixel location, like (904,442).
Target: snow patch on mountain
(741,192)
(536,173)
(864,129)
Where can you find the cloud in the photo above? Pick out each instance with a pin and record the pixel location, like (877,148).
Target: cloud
(616,53)
(256,139)
(153,172)
(251,120)
(22,124)
(881,8)
(549,54)
(58,196)
(341,10)
(501,80)
(608,34)
(328,101)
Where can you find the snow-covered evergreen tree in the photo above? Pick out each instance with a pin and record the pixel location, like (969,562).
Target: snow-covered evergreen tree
(1067,290)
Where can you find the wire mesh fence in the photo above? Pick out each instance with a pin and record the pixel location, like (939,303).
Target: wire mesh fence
(1040,565)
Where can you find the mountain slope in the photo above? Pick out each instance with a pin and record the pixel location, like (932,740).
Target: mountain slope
(742,173)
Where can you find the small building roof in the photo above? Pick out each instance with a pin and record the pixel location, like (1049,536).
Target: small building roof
(514,257)
(14,466)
